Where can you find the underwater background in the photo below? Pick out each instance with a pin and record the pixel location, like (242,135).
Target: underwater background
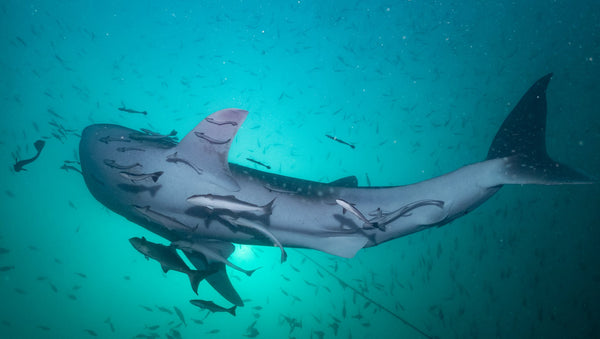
(419,87)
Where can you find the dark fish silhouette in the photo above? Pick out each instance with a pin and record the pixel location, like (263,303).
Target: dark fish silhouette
(129,110)
(169,260)
(211,306)
(70,168)
(340,141)
(258,163)
(39,145)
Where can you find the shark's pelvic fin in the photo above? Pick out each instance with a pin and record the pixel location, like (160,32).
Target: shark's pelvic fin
(213,251)
(521,141)
(206,147)
(218,280)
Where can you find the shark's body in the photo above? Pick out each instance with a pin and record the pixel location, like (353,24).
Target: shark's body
(199,197)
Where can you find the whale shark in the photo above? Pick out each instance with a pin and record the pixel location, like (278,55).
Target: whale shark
(188,193)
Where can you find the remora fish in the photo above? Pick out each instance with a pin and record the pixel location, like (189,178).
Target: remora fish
(168,259)
(113,164)
(175,159)
(309,218)
(242,222)
(108,139)
(230,203)
(169,222)
(350,208)
(129,110)
(211,306)
(152,136)
(340,141)
(39,145)
(381,219)
(209,253)
(134,177)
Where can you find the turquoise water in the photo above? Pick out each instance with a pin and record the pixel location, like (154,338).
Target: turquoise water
(419,87)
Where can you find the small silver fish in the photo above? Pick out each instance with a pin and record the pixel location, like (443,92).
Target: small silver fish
(175,159)
(113,164)
(212,140)
(242,222)
(230,203)
(350,208)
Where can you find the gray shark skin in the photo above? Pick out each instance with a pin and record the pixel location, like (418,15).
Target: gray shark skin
(298,213)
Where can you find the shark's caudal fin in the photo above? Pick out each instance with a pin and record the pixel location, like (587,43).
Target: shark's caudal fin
(521,141)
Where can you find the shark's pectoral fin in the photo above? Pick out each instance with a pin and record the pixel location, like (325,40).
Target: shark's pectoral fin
(218,280)
(206,147)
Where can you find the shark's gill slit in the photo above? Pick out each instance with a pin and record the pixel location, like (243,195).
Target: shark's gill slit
(357,291)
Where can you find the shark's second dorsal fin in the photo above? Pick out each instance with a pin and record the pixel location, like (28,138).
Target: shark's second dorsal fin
(348,182)
(207,146)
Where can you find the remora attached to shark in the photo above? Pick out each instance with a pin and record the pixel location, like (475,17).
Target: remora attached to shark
(201,198)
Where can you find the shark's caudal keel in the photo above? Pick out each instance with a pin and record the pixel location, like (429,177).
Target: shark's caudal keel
(188,193)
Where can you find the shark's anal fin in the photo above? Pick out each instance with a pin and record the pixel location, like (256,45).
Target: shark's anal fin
(206,147)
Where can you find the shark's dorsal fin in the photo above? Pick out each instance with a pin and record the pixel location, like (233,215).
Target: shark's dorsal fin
(348,182)
(207,146)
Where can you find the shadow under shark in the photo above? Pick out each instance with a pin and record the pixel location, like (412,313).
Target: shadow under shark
(188,193)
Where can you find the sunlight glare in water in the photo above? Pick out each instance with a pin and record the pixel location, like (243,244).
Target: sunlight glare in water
(242,253)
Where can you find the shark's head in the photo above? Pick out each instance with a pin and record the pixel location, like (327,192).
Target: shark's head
(99,143)
(128,170)
(120,170)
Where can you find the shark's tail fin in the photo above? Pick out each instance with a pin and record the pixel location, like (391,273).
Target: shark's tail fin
(521,141)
